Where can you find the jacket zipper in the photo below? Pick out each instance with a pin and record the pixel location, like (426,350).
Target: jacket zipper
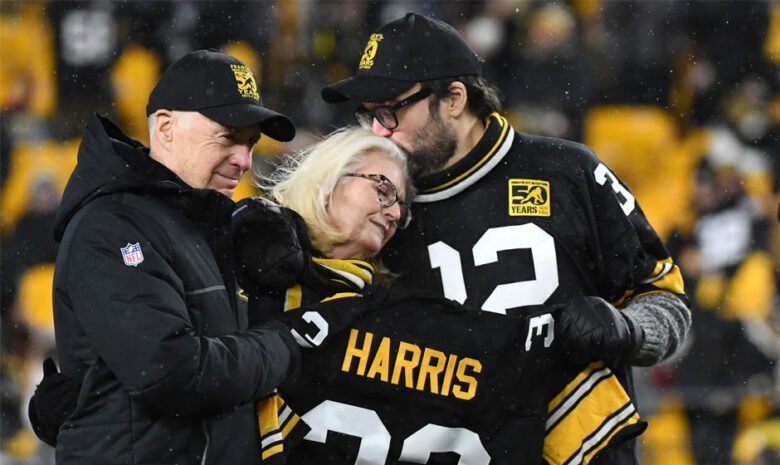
(206,448)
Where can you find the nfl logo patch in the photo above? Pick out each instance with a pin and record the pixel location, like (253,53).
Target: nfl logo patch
(132,254)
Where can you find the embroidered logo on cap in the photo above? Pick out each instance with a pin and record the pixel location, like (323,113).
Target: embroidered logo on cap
(367,60)
(245,80)
(132,254)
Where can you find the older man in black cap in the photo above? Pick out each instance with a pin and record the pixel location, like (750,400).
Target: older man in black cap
(148,319)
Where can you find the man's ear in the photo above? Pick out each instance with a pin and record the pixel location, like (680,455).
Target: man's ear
(457,99)
(163,128)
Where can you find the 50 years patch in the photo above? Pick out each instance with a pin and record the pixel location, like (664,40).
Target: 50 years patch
(529,197)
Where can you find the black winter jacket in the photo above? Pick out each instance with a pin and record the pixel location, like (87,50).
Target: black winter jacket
(148,320)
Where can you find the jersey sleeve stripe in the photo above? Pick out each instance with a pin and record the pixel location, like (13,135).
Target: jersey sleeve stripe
(275,419)
(661,269)
(587,413)
(284,413)
(271,439)
(268,422)
(271,451)
(671,281)
(293,297)
(294,419)
(666,276)
(574,392)
(600,438)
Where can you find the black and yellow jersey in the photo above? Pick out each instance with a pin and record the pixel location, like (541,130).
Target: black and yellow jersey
(421,381)
(425,380)
(279,425)
(523,222)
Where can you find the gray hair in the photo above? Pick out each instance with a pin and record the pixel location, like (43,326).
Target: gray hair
(184,117)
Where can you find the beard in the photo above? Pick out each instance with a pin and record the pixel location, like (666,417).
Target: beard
(431,148)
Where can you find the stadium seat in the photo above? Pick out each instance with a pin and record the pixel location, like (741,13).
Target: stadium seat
(34,298)
(632,140)
(758,442)
(247,55)
(772,40)
(641,144)
(27,77)
(29,161)
(751,291)
(133,77)
(666,440)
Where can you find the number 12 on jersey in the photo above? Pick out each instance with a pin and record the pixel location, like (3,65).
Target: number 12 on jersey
(524,236)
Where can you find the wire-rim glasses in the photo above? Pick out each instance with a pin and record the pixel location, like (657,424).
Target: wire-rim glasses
(387,194)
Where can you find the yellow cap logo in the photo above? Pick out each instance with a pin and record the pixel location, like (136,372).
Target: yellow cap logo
(245,81)
(367,60)
(529,197)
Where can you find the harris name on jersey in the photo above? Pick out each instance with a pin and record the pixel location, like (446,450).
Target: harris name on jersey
(434,370)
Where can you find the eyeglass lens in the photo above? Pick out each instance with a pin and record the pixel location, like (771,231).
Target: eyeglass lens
(386,115)
(387,194)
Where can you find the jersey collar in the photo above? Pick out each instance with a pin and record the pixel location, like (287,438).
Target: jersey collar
(488,152)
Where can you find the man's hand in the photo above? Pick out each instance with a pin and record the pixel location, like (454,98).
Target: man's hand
(590,328)
(271,243)
(314,325)
(54,400)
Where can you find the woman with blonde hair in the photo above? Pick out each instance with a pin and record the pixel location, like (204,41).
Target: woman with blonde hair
(325,183)
(339,202)
(342,198)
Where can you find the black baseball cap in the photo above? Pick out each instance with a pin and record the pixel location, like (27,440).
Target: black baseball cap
(219,87)
(401,53)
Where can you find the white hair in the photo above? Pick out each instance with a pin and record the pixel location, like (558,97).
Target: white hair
(184,119)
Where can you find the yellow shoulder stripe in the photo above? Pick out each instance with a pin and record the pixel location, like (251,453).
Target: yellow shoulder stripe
(666,276)
(293,297)
(586,415)
(275,421)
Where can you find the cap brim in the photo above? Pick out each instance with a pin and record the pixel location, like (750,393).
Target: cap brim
(365,89)
(273,124)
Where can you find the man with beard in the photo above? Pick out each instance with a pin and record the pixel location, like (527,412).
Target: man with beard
(569,232)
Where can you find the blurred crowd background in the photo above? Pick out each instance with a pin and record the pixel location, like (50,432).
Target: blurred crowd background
(681,99)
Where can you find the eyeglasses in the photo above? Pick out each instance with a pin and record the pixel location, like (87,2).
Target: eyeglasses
(387,194)
(386,115)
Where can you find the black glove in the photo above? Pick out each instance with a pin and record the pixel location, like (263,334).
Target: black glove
(314,325)
(271,244)
(54,400)
(589,328)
